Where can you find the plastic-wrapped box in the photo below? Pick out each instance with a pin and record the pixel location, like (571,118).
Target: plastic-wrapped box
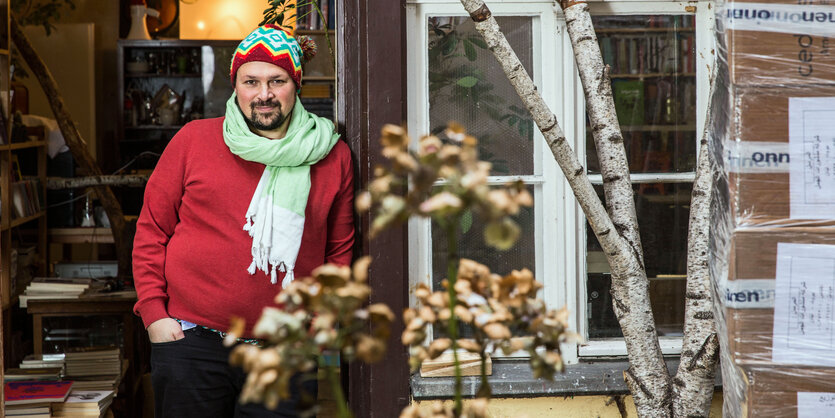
(782,392)
(765,151)
(779,42)
(779,297)
(772,137)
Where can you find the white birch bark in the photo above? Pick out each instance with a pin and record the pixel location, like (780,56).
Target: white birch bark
(545,119)
(647,376)
(695,379)
(608,139)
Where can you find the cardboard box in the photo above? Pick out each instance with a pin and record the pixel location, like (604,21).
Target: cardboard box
(748,305)
(795,49)
(757,154)
(773,392)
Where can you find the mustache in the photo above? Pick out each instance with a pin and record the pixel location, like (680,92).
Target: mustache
(271,103)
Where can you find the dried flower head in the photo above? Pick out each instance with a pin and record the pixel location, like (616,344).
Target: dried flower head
(317,314)
(504,312)
(465,189)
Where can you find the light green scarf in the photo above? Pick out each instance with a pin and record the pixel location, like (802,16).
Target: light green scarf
(275,218)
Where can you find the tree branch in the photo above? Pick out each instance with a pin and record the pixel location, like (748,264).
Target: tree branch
(603,119)
(695,378)
(629,282)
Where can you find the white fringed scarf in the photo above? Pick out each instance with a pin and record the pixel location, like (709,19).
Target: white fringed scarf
(275,218)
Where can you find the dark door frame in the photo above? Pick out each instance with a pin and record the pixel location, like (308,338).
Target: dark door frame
(371,92)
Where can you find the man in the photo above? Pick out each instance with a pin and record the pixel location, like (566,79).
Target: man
(235,206)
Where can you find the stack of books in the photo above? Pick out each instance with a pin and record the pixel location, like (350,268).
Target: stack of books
(94,368)
(32,398)
(43,361)
(54,288)
(84,403)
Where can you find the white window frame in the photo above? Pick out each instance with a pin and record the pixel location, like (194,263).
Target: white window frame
(560,224)
(704,59)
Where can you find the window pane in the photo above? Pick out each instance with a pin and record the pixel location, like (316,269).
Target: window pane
(467,85)
(652,64)
(471,245)
(663,213)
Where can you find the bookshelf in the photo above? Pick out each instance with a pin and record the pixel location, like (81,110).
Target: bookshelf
(22,189)
(652,65)
(23,226)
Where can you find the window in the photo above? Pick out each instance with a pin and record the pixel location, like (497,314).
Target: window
(452,76)
(659,83)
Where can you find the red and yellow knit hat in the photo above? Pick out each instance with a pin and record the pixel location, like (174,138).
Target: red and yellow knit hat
(275,45)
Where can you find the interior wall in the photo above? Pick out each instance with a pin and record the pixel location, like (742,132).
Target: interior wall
(69,54)
(104,15)
(220,19)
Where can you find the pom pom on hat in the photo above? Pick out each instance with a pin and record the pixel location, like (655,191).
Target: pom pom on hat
(274,44)
(308,46)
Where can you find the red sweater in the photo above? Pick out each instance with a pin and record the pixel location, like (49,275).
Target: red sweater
(191,253)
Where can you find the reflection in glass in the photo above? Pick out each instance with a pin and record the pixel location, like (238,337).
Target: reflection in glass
(652,64)
(663,211)
(466,85)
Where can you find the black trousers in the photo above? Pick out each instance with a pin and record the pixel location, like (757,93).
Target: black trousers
(192,378)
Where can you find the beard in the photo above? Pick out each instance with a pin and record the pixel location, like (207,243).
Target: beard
(264,121)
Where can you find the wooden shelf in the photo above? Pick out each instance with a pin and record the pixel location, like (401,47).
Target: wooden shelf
(27,144)
(155,75)
(20,221)
(651,75)
(318,78)
(314,31)
(4,51)
(657,128)
(80,235)
(153,127)
(644,30)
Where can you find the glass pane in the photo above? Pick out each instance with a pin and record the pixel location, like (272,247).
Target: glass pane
(652,63)
(471,245)
(467,85)
(663,213)
(63,332)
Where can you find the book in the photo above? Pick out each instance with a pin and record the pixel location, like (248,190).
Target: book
(27,391)
(92,353)
(46,373)
(27,410)
(629,101)
(59,283)
(84,403)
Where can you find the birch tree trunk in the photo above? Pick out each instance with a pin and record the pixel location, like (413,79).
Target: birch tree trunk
(647,376)
(613,244)
(608,139)
(77,145)
(694,381)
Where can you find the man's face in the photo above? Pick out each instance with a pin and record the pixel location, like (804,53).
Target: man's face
(266,95)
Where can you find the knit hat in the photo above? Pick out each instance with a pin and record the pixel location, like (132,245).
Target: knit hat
(275,45)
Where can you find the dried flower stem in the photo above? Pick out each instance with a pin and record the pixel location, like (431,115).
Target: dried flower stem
(336,389)
(451,226)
